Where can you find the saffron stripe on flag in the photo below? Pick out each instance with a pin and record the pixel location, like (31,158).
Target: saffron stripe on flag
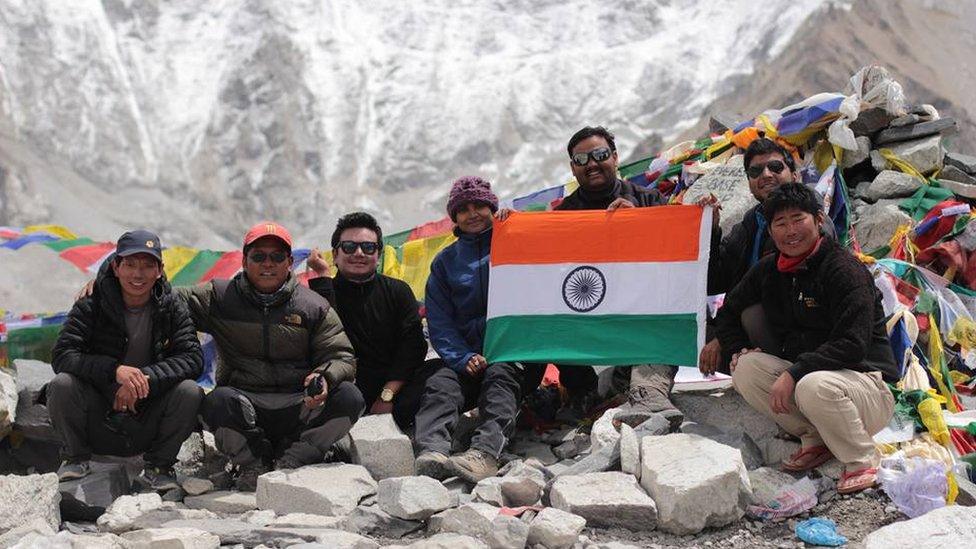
(627,235)
(589,339)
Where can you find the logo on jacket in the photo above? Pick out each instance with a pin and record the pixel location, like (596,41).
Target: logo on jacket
(293,318)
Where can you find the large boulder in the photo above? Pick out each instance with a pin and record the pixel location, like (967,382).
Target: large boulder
(123,512)
(106,483)
(8,402)
(24,498)
(470,519)
(555,529)
(728,182)
(508,532)
(727,411)
(332,489)
(877,223)
(695,482)
(171,538)
(414,498)
(924,154)
(953,526)
(606,500)
(380,447)
(32,418)
(892,184)
(373,521)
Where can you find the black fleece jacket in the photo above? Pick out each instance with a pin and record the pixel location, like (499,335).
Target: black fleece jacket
(581,199)
(93,338)
(380,317)
(827,315)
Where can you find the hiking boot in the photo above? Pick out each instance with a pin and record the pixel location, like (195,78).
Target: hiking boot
(71,470)
(246,477)
(158,479)
(474,465)
(433,465)
(643,402)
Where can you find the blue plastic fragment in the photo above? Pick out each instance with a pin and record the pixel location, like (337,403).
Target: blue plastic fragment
(820,531)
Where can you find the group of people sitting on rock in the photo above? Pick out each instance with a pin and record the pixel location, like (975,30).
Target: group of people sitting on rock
(802,332)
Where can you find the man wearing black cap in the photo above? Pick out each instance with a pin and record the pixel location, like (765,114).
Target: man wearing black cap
(126,361)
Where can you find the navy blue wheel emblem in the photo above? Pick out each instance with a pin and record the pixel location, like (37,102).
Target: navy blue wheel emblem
(584,289)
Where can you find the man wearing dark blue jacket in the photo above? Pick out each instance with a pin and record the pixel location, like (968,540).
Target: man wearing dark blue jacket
(457,307)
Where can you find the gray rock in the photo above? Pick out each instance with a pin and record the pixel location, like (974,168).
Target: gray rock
(925,154)
(833,469)
(414,498)
(449,540)
(964,162)
(958,181)
(36,526)
(573,447)
(123,512)
(197,486)
(373,521)
(8,402)
(508,532)
(160,517)
(380,447)
(199,457)
(509,491)
(174,495)
(776,449)
(229,531)
(859,192)
(227,502)
(629,451)
(305,520)
(171,538)
(729,184)
(892,184)
(695,482)
(340,539)
(106,483)
(767,482)
(555,529)
(32,419)
(258,517)
(604,433)
(914,131)
(605,459)
(25,498)
(876,223)
(954,525)
(863,152)
(905,120)
(725,410)
(606,500)
(333,489)
(871,121)
(529,449)
(471,519)
(752,454)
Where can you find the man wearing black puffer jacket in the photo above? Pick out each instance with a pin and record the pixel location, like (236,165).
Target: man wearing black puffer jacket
(126,363)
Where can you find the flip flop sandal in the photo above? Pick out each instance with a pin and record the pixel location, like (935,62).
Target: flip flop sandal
(807,458)
(855,481)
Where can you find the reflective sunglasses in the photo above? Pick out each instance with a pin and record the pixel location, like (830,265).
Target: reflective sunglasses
(599,155)
(368,248)
(277,257)
(756,170)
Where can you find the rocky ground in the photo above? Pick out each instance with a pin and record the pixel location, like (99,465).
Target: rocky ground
(597,486)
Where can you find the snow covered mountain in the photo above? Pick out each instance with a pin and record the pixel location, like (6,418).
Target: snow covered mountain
(198,118)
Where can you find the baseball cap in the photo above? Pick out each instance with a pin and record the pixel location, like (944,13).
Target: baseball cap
(139,241)
(267,228)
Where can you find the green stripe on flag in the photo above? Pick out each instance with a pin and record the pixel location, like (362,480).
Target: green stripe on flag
(64,244)
(192,272)
(611,340)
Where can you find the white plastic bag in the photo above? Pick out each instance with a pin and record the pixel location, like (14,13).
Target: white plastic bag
(870,87)
(916,486)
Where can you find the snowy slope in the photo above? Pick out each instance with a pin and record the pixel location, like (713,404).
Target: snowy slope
(302,110)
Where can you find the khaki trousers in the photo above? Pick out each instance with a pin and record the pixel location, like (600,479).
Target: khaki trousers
(842,409)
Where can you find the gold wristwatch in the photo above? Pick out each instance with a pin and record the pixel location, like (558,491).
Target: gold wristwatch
(387,395)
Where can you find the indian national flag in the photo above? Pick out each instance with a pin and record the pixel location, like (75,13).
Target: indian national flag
(591,287)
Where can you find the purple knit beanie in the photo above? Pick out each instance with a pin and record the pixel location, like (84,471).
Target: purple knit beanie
(469,189)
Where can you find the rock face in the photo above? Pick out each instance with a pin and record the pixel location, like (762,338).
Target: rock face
(728,182)
(171,538)
(877,222)
(954,525)
(33,419)
(606,500)
(555,529)
(892,184)
(414,498)
(924,154)
(24,498)
(223,502)
(332,489)
(380,447)
(695,482)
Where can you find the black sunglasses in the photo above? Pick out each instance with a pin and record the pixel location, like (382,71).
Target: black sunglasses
(599,155)
(277,257)
(774,166)
(349,247)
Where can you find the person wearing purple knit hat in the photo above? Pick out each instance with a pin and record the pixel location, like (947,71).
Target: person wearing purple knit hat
(457,302)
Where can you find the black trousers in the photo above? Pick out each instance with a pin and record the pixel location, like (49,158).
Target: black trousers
(87,424)
(246,433)
(406,403)
(497,392)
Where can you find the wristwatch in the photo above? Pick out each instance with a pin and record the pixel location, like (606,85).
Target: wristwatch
(387,395)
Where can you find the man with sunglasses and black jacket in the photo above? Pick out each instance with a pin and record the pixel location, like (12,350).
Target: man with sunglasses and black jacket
(380,316)
(285,391)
